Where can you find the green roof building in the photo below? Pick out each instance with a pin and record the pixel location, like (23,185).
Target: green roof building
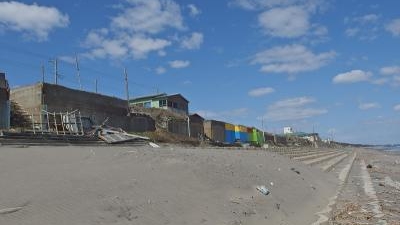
(174,102)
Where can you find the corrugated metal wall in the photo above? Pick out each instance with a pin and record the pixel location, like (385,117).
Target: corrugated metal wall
(5,115)
(215,130)
(178,127)
(241,134)
(229,133)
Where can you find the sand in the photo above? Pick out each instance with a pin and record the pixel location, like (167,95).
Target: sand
(371,194)
(167,185)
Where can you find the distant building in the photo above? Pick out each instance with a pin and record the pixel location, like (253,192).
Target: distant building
(174,102)
(4,102)
(196,125)
(288,130)
(214,130)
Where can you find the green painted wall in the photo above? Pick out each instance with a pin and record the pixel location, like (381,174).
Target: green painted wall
(155,104)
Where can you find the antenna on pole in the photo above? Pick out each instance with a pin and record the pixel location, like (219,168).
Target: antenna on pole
(43,72)
(95,83)
(55,61)
(78,73)
(127,89)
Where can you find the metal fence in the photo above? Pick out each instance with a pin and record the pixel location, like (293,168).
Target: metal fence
(62,123)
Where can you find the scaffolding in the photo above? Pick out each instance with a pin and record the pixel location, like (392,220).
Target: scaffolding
(62,123)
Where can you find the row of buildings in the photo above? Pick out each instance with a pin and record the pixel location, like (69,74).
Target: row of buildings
(45,106)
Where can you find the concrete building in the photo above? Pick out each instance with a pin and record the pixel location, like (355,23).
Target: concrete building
(36,99)
(4,103)
(174,102)
(288,130)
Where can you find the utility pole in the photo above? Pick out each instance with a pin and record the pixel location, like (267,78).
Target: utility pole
(188,125)
(262,123)
(95,83)
(127,90)
(42,73)
(55,61)
(78,72)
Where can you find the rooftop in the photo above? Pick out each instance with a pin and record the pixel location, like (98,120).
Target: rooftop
(157,96)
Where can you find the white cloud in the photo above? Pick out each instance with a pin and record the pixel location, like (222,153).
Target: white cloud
(208,114)
(353,76)
(396,107)
(396,81)
(380,81)
(285,22)
(136,46)
(293,102)
(224,115)
(34,21)
(136,31)
(161,53)
(394,27)
(311,5)
(390,70)
(192,42)
(369,18)
(320,30)
(68,59)
(160,70)
(141,46)
(187,82)
(287,18)
(256,4)
(193,10)
(365,28)
(293,109)
(368,105)
(149,16)
(291,59)
(178,64)
(260,91)
(351,32)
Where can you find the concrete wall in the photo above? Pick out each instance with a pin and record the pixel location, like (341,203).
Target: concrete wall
(178,127)
(29,98)
(196,126)
(215,130)
(97,107)
(4,109)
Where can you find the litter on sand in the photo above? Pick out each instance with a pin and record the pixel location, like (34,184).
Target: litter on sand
(154,145)
(264,190)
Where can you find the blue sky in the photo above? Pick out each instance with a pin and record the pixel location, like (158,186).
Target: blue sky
(324,65)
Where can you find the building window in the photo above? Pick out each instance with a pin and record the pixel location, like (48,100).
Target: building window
(147,105)
(169,104)
(174,105)
(162,103)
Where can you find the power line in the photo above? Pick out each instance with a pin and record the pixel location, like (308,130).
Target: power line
(78,72)
(127,90)
(57,76)
(55,62)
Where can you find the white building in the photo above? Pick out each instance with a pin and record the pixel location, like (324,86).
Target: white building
(287,130)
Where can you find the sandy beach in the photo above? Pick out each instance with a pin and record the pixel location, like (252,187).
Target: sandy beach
(177,185)
(371,194)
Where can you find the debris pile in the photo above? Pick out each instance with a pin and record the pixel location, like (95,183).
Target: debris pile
(113,135)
